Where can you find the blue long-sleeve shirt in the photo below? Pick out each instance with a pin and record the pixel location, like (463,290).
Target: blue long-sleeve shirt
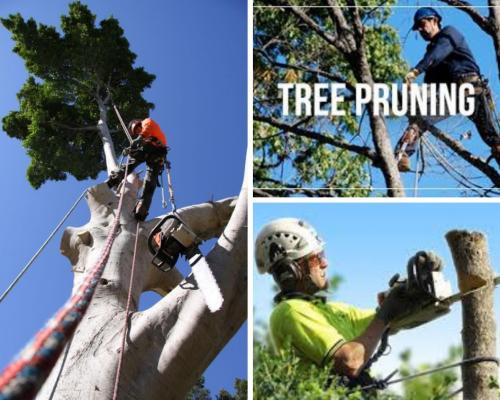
(447,57)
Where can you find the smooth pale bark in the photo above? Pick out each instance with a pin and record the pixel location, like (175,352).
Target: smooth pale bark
(107,141)
(471,259)
(169,345)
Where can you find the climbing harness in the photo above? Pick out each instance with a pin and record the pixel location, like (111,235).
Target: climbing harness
(30,262)
(25,375)
(172,237)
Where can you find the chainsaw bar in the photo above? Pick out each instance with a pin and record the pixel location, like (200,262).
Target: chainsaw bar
(459,296)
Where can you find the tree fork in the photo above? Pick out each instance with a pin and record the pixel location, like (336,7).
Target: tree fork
(471,259)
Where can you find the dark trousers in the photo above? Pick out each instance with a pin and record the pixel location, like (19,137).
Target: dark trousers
(483,118)
(154,157)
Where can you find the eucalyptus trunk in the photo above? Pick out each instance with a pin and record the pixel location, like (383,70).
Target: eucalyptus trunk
(169,345)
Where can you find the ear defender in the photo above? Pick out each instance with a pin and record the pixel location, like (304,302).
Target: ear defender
(286,272)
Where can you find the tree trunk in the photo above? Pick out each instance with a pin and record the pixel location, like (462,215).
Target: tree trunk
(471,259)
(169,345)
(387,161)
(107,141)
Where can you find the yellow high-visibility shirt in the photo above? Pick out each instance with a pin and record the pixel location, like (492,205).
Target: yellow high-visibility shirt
(315,329)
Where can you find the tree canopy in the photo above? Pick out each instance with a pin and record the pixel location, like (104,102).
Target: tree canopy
(74,75)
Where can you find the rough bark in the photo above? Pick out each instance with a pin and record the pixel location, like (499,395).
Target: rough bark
(170,345)
(471,259)
(380,136)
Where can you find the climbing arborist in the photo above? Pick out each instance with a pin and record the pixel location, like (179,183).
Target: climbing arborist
(322,332)
(448,59)
(149,145)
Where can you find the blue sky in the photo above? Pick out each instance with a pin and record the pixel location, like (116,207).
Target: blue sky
(413,47)
(435,182)
(367,243)
(197,50)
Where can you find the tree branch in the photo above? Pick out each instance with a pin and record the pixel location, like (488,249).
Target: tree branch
(289,189)
(483,22)
(363,150)
(330,39)
(329,75)
(459,149)
(346,33)
(80,129)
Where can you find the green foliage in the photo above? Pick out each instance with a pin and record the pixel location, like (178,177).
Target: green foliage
(437,386)
(70,73)
(284,159)
(286,376)
(200,392)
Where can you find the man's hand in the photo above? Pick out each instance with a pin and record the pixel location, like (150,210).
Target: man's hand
(394,303)
(427,259)
(411,76)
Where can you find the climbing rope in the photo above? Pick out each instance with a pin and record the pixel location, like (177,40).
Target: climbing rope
(127,312)
(22,378)
(35,256)
(384,343)
(382,384)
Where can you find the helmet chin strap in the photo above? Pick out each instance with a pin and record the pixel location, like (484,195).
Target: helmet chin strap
(308,286)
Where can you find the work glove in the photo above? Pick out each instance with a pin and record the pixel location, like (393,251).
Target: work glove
(411,76)
(395,302)
(427,259)
(136,142)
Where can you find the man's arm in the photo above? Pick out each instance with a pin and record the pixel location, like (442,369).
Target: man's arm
(436,55)
(351,357)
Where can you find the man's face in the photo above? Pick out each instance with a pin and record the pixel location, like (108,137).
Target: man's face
(136,128)
(318,264)
(428,28)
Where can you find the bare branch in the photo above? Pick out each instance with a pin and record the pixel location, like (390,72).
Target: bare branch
(329,75)
(358,24)
(362,150)
(483,22)
(76,129)
(346,33)
(459,149)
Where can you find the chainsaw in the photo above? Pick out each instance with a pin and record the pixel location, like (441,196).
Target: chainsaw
(172,237)
(432,294)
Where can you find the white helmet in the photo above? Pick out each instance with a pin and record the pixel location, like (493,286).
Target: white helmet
(285,237)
